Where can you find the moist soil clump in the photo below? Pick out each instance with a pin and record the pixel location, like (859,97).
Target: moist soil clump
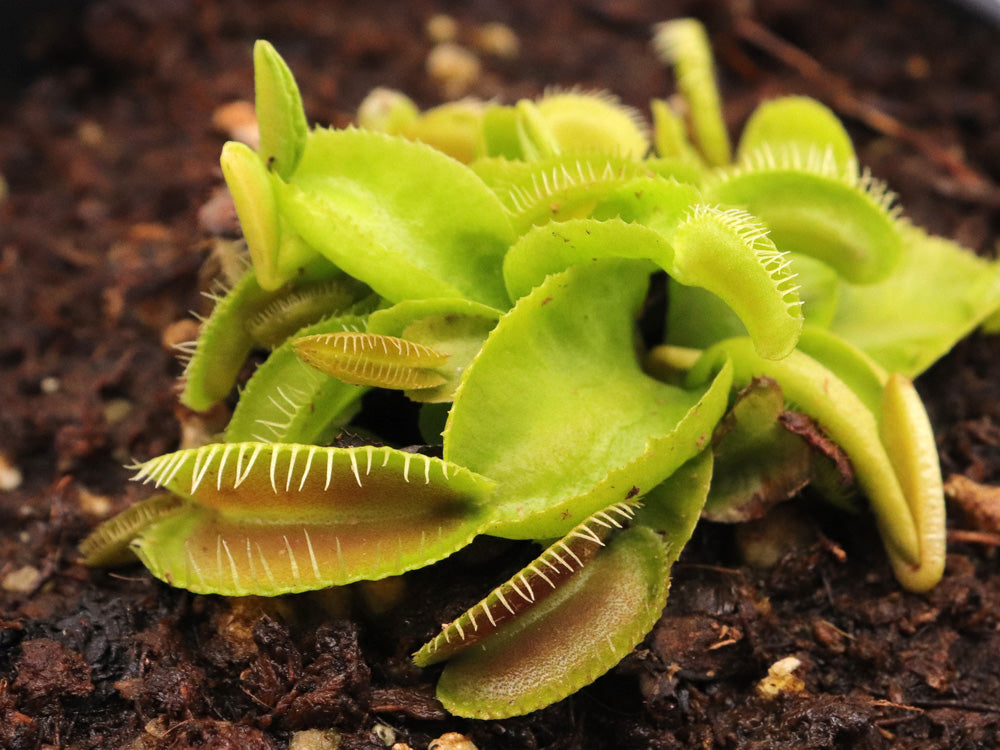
(111,124)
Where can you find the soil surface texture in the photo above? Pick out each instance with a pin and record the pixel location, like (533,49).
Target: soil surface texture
(112,118)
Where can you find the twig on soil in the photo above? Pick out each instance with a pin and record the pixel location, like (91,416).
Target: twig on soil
(968,536)
(919,707)
(982,708)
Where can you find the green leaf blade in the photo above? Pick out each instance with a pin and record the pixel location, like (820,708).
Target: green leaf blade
(280,116)
(556,409)
(383,209)
(223,345)
(938,295)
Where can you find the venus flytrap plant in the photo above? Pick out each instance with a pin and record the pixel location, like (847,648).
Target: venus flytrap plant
(454,128)
(307,303)
(503,295)
(799,135)
(909,441)
(670,139)
(281,119)
(589,622)
(547,653)
(110,543)
(526,131)
(277,251)
(529,587)
(558,187)
(288,401)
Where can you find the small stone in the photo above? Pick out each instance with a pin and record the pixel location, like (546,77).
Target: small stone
(116,410)
(451,741)
(238,120)
(498,40)
(315,739)
(24,580)
(385,733)
(781,679)
(217,215)
(49,385)
(179,333)
(441,28)
(90,133)
(98,506)
(10,475)
(454,68)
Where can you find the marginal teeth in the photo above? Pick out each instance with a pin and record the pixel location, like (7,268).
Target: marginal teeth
(548,182)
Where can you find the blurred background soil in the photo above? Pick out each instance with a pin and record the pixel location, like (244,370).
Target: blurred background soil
(112,117)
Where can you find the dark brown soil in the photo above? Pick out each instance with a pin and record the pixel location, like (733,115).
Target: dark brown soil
(107,143)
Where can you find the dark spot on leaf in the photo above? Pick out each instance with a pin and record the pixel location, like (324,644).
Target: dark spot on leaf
(801,425)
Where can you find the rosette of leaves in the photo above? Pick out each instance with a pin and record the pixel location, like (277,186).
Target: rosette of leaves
(491,262)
